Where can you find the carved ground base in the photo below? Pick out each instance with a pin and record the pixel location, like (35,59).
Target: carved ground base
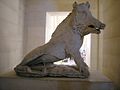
(51,71)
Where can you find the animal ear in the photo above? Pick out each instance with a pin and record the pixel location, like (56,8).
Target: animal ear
(74,4)
(88,4)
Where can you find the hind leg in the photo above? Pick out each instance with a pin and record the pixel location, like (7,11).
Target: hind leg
(28,72)
(36,67)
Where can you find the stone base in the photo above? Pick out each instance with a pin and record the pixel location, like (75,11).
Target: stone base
(50,71)
(96,81)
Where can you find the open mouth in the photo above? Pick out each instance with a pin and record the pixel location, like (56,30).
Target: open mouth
(92,26)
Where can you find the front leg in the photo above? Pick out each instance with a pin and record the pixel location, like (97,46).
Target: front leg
(82,66)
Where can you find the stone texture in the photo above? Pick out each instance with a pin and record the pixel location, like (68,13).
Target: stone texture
(65,42)
(52,71)
(96,81)
(35,16)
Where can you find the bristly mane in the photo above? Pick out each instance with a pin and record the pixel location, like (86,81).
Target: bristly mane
(68,21)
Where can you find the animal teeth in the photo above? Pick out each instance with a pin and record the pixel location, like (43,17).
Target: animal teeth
(97,28)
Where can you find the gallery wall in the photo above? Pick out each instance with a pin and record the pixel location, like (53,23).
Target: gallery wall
(11,33)
(110,39)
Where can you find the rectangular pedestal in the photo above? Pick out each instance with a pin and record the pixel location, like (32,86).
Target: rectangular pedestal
(96,81)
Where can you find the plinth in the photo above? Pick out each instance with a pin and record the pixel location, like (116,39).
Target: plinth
(96,81)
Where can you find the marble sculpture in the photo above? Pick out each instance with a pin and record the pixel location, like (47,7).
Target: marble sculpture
(64,43)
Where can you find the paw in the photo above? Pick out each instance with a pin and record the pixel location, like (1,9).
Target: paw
(85,72)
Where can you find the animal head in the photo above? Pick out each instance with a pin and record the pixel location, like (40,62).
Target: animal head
(84,17)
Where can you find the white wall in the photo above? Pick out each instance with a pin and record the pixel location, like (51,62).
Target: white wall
(11,33)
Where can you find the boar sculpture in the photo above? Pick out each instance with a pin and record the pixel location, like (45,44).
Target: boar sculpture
(64,43)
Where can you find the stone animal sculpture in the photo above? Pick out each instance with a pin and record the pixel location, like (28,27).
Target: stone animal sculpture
(65,42)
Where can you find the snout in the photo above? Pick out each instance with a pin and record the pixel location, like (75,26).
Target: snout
(96,28)
(102,26)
